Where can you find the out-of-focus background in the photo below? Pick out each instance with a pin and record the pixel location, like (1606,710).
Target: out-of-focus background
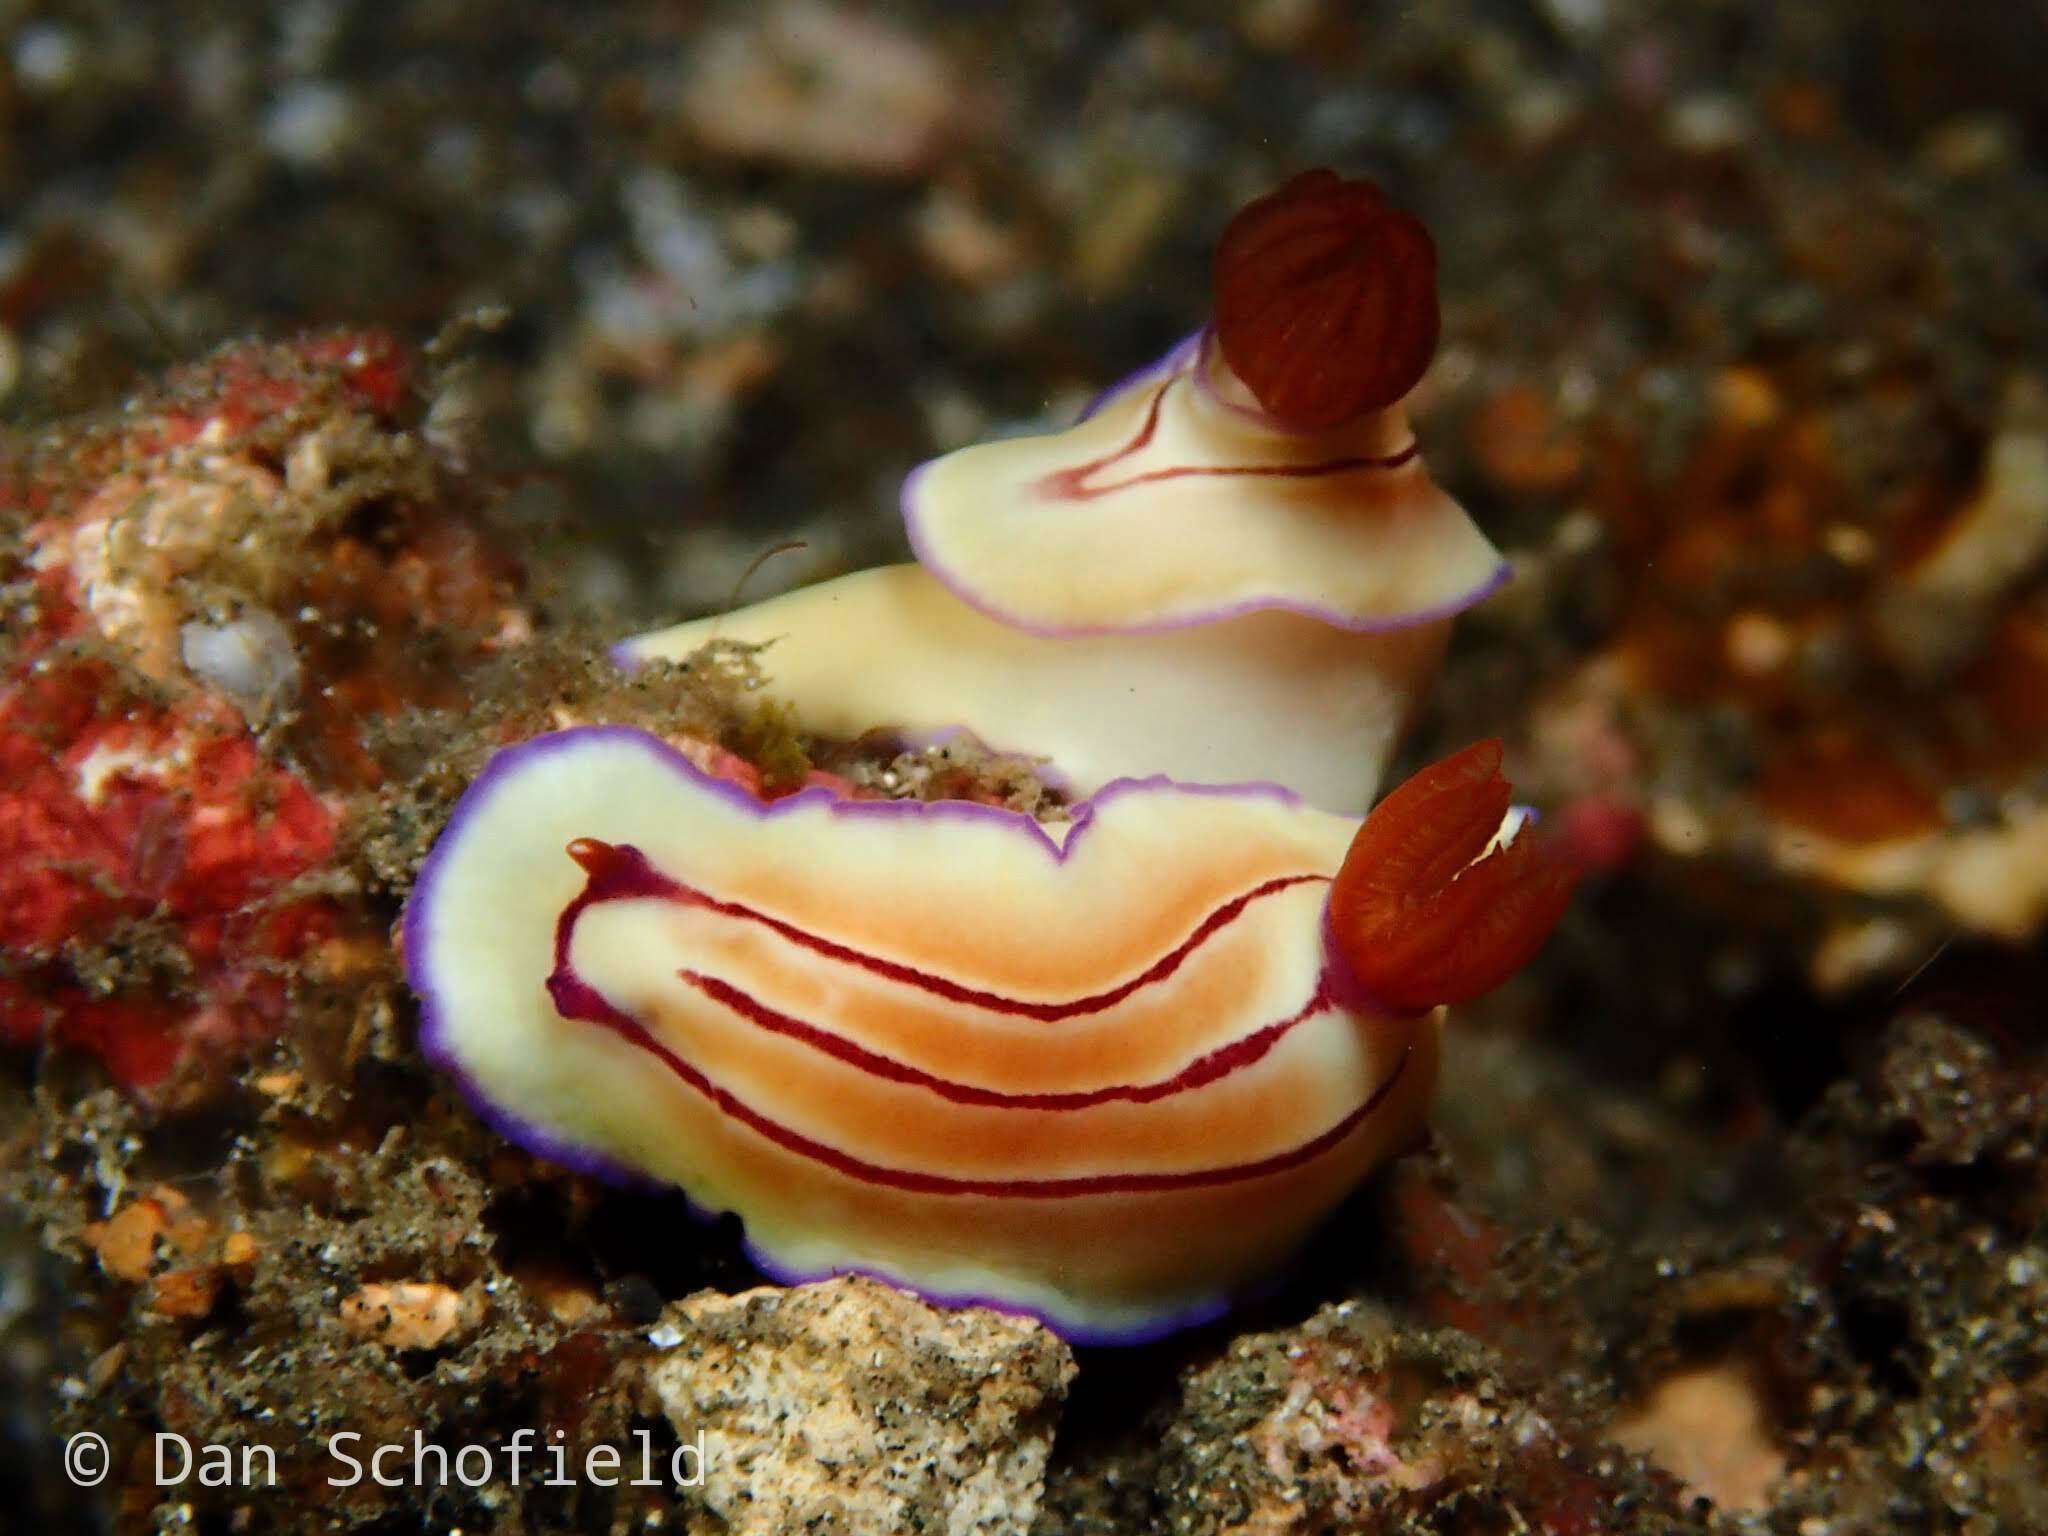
(1745,365)
(753,260)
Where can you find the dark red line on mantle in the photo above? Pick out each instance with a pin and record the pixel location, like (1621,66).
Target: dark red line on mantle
(617,873)
(1072,484)
(576,999)
(1203,1070)
(624,871)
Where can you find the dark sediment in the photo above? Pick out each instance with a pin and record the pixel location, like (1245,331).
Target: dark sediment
(1745,355)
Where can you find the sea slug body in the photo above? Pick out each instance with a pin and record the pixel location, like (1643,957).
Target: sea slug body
(1109,1073)
(1110,1070)
(1182,582)
(1096,1076)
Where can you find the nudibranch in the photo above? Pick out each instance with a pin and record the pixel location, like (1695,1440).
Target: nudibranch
(1111,1069)
(1234,567)
(1110,1072)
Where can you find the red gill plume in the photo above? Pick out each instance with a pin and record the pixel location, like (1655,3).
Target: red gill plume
(1418,914)
(1325,299)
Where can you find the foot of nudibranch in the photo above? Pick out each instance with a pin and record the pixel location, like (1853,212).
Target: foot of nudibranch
(1422,912)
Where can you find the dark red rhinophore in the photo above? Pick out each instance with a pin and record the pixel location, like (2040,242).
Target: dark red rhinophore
(1325,300)
(1418,915)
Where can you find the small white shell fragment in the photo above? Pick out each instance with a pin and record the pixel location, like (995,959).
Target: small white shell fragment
(250,659)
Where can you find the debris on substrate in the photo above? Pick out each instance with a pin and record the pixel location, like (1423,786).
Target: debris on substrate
(1742,367)
(295,1229)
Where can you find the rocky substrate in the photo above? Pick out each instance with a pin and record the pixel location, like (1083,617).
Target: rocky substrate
(1735,1214)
